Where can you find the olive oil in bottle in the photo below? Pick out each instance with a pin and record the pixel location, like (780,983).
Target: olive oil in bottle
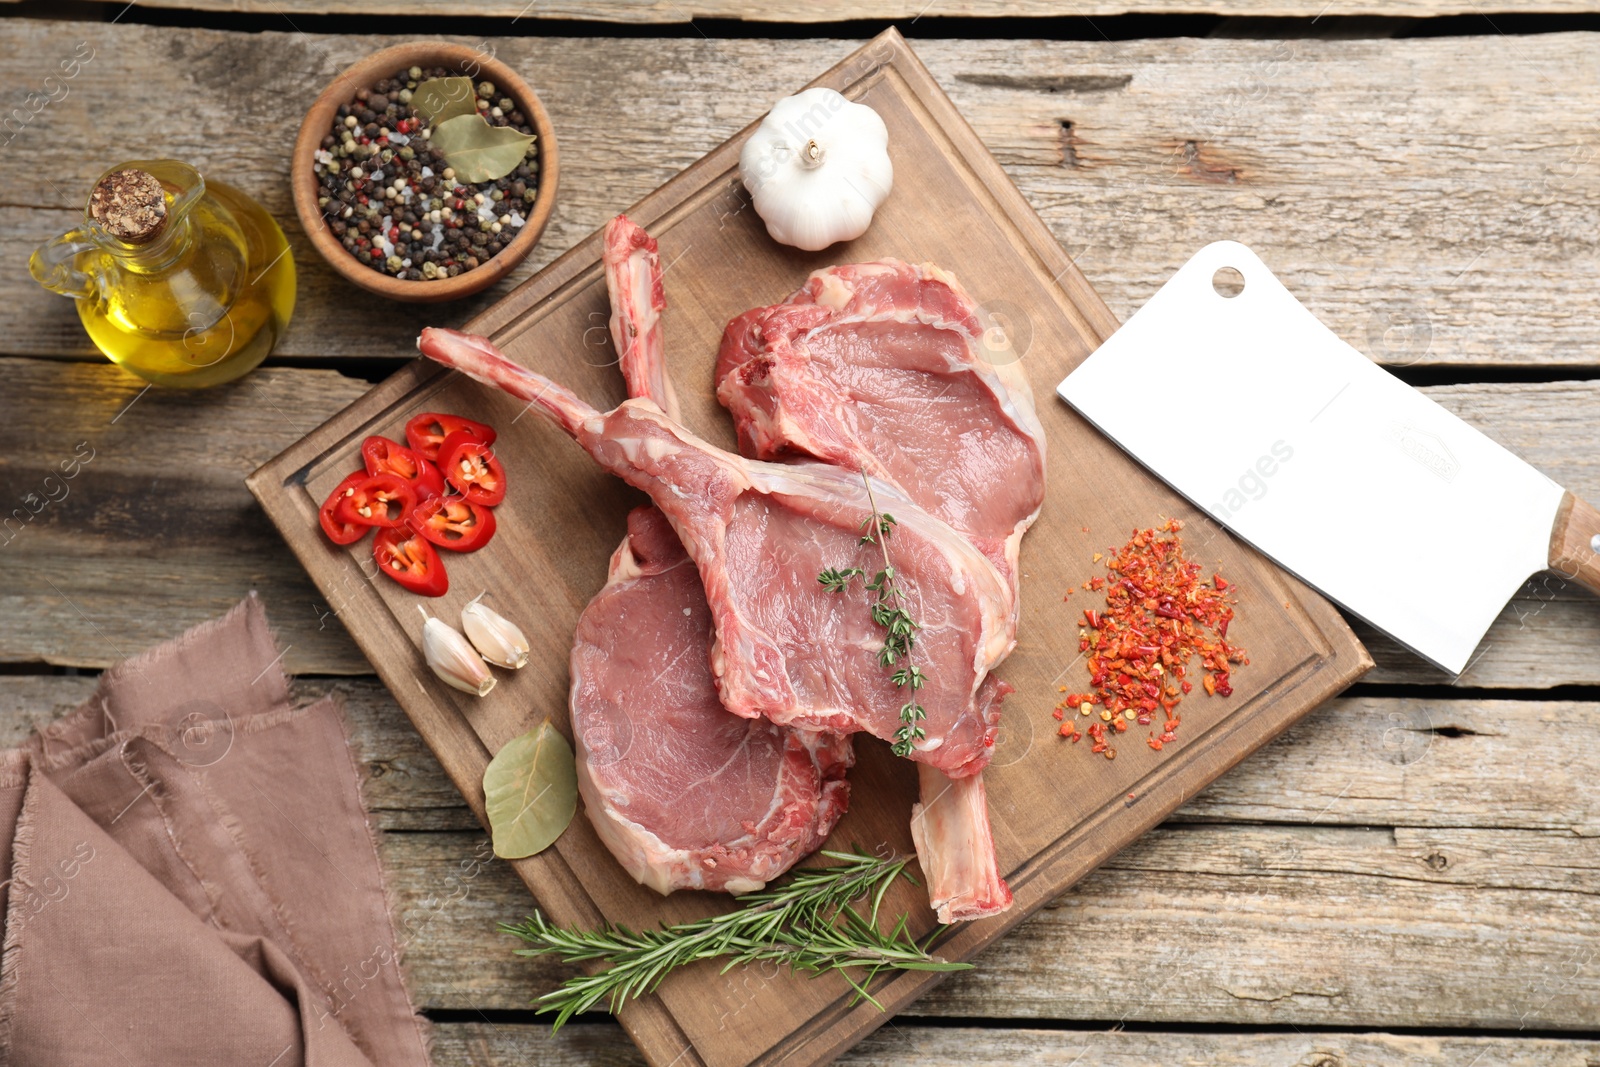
(185,282)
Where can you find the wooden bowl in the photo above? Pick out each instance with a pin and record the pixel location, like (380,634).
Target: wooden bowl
(364,75)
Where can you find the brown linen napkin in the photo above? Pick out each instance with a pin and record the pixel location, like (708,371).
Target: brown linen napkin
(192,878)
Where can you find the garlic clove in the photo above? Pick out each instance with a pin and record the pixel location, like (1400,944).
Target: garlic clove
(455,661)
(496,637)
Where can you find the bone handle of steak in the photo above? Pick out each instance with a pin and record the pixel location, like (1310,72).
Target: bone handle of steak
(954,842)
(479,360)
(950,828)
(1575,543)
(633,279)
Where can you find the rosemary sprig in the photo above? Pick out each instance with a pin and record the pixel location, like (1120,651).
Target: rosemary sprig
(888,611)
(810,925)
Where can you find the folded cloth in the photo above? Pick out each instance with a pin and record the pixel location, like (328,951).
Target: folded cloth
(192,877)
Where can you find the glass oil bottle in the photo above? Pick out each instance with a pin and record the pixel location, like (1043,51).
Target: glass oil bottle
(185,282)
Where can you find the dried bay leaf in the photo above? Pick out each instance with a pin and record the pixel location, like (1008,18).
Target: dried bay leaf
(438,99)
(531,792)
(477,151)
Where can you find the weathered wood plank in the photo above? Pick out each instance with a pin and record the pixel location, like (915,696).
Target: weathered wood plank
(1435,200)
(156,531)
(1419,768)
(1237,924)
(1408,850)
(1420,764)
(601,1045)
(668,12)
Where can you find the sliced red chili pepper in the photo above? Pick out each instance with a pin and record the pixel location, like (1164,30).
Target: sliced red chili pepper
(383,456)
(427,432)
(342,533)
(470,465)
(405,556)
(377,500)
(454,522)
(430,482)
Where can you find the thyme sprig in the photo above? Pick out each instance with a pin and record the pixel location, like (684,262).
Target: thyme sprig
(888,611)
(810,925)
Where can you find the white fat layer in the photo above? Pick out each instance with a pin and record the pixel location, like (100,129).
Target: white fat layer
(624,567)
(834,293)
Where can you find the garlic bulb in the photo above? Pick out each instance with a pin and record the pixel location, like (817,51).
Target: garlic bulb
(817,168)
(498,638)
(455,661)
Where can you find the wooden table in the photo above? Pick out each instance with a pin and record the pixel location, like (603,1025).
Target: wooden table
(1410,876)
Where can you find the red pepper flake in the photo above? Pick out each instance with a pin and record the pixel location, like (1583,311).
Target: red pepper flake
(1159,615)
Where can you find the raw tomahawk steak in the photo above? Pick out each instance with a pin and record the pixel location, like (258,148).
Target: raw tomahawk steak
(759,534)
(685,794)
(886,367)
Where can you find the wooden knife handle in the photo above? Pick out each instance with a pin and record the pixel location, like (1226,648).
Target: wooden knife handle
(1575,543)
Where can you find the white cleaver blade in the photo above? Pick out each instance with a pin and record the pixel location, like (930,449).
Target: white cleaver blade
(1340,472)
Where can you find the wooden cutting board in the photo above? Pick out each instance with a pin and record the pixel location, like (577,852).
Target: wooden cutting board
(1057,811)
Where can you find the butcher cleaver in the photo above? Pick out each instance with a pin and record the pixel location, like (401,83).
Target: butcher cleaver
(1336,469)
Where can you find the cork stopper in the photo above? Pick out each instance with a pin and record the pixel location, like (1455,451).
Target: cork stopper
(129,205)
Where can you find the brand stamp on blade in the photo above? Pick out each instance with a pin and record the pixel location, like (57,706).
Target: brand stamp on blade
(1427,449)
